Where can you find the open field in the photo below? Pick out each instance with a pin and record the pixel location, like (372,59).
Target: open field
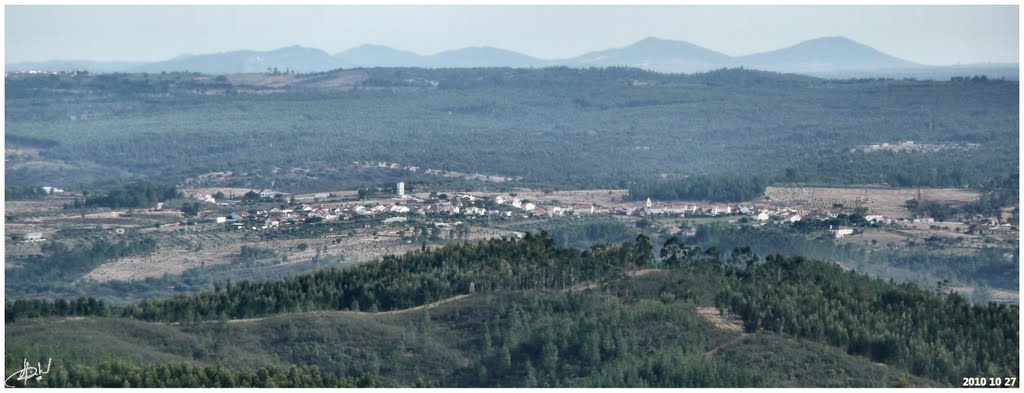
(887,202)
(882,238)
(998,295)
(181,251)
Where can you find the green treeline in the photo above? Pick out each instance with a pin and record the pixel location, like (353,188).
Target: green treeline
(402,282)
(943,338)
(996,194)
(24,193)
(721,188)
(988,267)
(63,263)
(134,195)
(82,306)
(120,374)
(395,282)
(569,232)
(586,340)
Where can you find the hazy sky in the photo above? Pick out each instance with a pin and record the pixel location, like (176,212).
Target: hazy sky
(934,35)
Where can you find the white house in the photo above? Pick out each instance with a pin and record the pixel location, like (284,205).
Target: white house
(33,237)
(207,198)
(721,210)
(395,219)
(529,206)
(220,220)
(272,222)
(840,232)
(268,193)
(874,217)
(794,218)
(763,216)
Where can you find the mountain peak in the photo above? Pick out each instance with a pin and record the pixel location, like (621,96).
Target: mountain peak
(824,54)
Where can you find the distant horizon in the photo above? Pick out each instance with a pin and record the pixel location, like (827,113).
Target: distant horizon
(460,48)
(927,35)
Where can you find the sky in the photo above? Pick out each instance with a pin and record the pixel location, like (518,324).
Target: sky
(926,34)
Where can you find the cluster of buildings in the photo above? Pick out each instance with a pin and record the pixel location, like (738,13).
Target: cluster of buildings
(465,205)
(757,212)
(910,146)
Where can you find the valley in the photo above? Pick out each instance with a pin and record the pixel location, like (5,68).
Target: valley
(510,227)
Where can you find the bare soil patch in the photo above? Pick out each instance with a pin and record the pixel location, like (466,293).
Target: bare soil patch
(998,295)
(392,312)
(728,322)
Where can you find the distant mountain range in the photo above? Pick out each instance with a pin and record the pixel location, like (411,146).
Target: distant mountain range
(832,57)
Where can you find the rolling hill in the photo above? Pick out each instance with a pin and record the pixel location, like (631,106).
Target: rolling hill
(830,57)
(294,58)
(823,55)
(654,54)
(529,313)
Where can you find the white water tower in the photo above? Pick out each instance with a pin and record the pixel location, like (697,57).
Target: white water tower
(401,189)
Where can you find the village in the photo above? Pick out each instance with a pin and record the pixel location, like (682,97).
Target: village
(210,227)
(396,206)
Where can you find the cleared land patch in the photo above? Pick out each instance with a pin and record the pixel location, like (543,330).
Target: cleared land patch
(885,201)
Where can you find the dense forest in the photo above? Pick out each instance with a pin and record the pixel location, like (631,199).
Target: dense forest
(582,233)
(134,195)
(25,193)
(558,127)
(717,189)
(542,332)
(992,267)
(63,264)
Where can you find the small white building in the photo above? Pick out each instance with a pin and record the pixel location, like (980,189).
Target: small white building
(763,216)
(33,237)
(220,220)
(716,210)
(840,232)
(794,218)
(401,189)
(207,198)
(268,193)
(529,206)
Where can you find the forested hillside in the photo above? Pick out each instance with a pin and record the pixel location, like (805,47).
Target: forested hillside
(529,313)
(556,126)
